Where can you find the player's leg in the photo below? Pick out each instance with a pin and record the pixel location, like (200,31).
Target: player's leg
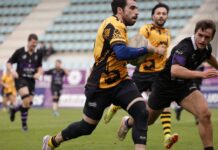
(169,139)
(55,101)
(178,111)
(197,105)
(92,113)
(12,99)
(127,122)
(74,130)
(26,104)
(130,99)
(4,102)
(110,113)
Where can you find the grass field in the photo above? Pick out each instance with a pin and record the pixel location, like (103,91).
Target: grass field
(42,122)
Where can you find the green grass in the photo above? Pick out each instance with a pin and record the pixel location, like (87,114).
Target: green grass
(41,122)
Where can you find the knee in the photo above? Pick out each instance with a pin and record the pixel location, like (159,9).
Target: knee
(139,112)
(204,115)
(27,99)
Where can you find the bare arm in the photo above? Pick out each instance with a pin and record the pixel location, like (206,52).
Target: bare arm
(213,62)
(13,72)
(66,71)
(38,73)
(182,72)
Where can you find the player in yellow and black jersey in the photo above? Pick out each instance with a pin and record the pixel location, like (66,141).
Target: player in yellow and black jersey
(108,71)
(8,89)
(146,72)
(109,82)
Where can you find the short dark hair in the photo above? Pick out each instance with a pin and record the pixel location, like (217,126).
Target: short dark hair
(117,3)
(206,24)
(32,36)
(158,6)
(59,61)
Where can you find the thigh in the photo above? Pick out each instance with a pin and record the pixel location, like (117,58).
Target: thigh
(23,91)
(144,86)
(125,93)
(195,103)
(153,115)
(22,86)
(96,101)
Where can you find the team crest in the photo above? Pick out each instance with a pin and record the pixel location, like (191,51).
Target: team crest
(117,34)
(24,56)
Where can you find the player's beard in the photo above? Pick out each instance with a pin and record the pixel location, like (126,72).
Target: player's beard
(160,24)
(129,23)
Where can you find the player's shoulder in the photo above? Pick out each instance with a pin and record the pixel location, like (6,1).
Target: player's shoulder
(147,26)
(20,50)
(184,45)
(115,22)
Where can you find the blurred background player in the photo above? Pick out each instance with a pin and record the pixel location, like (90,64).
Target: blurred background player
(109,81)
(57,75)
(8,90)
(146,72)
(29,68)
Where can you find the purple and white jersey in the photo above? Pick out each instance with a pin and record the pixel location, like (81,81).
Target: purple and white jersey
(27,64)
(187,55)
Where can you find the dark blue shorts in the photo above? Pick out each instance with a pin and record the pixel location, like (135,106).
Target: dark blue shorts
(165,92)
(98,99)
(23,82)
(144,81)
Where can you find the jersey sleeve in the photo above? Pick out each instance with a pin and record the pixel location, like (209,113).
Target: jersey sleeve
(180,56)
(49,72)
(3,78)
(14,58)
(115,34)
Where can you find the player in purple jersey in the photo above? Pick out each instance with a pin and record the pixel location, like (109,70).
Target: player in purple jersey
(57,75)
(175,81)
(29,68)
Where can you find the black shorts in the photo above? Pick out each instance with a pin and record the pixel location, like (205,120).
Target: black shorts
(144,81)
(98,99)
(163,93)
(25,82)
(56,92)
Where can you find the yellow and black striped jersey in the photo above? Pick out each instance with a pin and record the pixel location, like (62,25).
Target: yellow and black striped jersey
(156,36)
(107,70)
(9,80)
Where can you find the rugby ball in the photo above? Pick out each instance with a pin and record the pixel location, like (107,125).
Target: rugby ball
(138,41)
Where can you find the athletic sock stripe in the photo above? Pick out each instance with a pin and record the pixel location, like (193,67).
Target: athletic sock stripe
(166,122)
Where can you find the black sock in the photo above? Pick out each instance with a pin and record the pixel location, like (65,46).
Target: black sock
(24,115)
(209,148)
(55,144)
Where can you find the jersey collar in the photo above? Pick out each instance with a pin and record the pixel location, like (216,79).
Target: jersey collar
(193,42)
(26,49)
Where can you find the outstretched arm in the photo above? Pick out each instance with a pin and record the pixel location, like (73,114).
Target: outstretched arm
(182,72)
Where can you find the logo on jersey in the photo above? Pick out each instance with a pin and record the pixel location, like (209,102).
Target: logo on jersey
(179,52)
(36,57)
(117,34)
(106,33)
(24,56)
